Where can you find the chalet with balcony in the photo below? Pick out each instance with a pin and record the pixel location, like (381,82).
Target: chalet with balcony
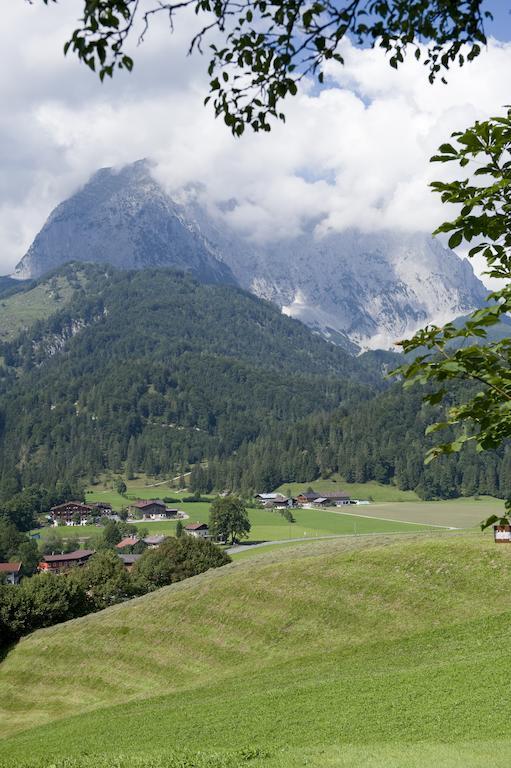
(63,563)
(71,513)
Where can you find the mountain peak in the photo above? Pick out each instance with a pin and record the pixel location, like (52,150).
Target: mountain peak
(124,218)
(366,289)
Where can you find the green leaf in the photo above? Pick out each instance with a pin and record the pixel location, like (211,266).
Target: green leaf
(455,239)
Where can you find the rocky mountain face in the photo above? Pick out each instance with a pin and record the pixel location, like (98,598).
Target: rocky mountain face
(122,218)
(359,290)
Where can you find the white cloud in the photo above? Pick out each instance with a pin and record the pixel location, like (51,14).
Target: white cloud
(353,154)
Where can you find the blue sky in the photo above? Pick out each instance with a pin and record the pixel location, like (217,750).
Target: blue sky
(500,27)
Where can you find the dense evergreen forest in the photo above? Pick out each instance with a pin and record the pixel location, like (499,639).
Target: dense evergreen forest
(378,439)
(151,371)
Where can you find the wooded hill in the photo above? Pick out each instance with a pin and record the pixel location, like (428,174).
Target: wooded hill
(155,372)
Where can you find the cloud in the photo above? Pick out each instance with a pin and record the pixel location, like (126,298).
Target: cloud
(354,153)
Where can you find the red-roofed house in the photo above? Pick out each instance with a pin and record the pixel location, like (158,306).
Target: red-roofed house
(199,530)
(129,541)
(10,573)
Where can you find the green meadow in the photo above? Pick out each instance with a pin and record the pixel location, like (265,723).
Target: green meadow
(20,311)
(268,525)
(382,651)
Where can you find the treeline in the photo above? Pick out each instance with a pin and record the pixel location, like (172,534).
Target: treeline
(380,439)
(47,599)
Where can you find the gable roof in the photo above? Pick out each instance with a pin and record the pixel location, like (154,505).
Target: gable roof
(10,567)
(154,539)
(129,559)
(143,503)
(77,504)
(78,554)
(196,526)
(311,495)
(129,541)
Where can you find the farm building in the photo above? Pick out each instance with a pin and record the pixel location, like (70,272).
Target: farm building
(102,509)
(337,497)
(153,509)
(307,497)
(127,542)
(71,513)
(129,560)
(199,530)
(332,498)
(10,573)
(154,541)
(274,500)
(62,563)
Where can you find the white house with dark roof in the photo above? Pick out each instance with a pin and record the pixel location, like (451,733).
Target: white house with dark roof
(199,530)
(153,509)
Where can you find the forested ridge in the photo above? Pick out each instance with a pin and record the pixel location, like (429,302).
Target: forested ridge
(382,438)
(154,370)
(151,371)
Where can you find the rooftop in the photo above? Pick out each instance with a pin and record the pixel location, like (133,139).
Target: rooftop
(10,567)
(195,526)
(78,554)
(77,504)
(143,503)
(129,541)
(130,559)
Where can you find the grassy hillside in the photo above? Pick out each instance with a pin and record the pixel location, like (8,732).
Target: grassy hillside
(21,310)
(360,653)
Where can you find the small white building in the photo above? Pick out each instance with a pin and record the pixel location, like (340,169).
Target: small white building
(199,530)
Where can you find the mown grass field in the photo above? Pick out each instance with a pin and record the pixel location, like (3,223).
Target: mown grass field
(373,651)
(266,525)
(456,513)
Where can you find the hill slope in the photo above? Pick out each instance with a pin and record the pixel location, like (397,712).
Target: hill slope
(336,654)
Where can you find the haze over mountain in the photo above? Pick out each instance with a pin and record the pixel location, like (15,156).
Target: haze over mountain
(367,289)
